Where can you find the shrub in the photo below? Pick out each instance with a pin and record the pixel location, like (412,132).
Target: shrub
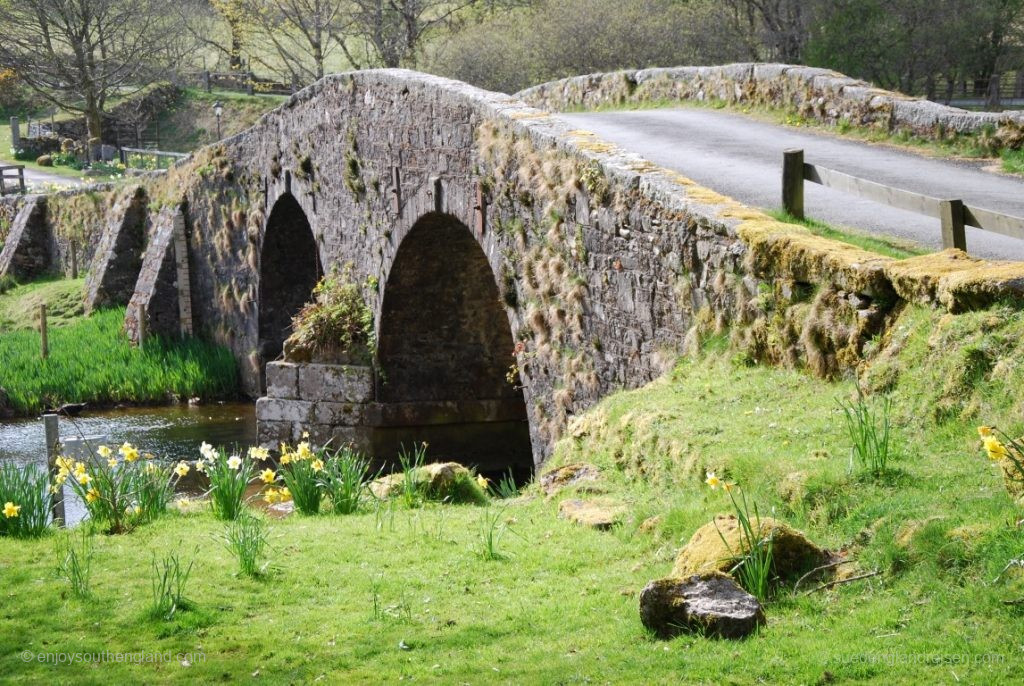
(336,326)
(24,501)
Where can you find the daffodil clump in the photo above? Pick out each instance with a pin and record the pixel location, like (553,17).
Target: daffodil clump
(120,488)
(300,473)
(752,566)
(229,476)
(24,501)
(307,476)
(1008,453)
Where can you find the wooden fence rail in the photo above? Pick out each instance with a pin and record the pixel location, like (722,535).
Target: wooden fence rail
(953,214)
(17,177)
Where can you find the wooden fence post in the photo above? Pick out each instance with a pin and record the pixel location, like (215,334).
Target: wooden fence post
(142,327)
(74,259)
(15,133)
(44,343)
(951,213)
(793,183)
(52,453)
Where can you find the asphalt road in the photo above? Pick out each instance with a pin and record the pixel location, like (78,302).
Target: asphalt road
(742,158)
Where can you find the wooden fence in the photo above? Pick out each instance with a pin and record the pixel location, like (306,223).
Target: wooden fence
(953,215)
(12,182)
(241,82)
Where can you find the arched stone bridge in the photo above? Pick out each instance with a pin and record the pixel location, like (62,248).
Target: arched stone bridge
(492,244)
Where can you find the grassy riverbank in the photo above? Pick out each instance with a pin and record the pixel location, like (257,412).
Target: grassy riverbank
(92,361)
(405,594)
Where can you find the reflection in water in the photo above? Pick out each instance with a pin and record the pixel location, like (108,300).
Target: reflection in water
(171,433)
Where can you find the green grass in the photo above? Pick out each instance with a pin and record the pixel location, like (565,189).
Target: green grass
(92,361)
(892,247)
(190,123)
(359,599)
(1013,161)
(19,306)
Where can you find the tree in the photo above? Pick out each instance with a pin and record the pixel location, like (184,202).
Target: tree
(78,53)
(391,32)
(302,33)
(779,28)
(220,25)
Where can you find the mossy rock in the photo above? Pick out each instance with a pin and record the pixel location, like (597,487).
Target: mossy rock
(600,513)
(555,480)
(1013,479)
(792,553)
(448,482)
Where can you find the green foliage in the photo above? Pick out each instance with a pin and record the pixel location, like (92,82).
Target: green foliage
(411,463)
(74,561)
(869,428)
(492,529)
(337,323)
(24,501)
(91,360)
(1013,161)
(300,472)
(344,479)
(168,583)
(246,538)
(752,566)
(229,477)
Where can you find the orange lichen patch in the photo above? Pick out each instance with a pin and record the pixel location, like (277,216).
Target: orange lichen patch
(708,197)
(679,178)
(789,250)
(529,114)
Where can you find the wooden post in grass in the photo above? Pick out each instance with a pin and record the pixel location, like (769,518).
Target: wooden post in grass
(52,453)
(142,327)
(74,259)
(44,343)
(793,182)
(951,213)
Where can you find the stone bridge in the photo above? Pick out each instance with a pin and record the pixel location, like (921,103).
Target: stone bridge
(517,270)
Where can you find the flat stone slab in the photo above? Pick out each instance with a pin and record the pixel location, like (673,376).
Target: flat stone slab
(335,383)
(710,604)
(596,514)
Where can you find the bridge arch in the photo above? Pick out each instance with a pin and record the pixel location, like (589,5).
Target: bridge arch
(444,350)
(289,270)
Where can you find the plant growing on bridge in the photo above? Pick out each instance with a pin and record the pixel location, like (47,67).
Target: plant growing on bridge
(337,325)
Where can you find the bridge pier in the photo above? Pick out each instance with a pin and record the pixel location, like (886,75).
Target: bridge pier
(337,405)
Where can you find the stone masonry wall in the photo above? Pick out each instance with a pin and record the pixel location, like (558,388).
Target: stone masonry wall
(607,266)
(820,94)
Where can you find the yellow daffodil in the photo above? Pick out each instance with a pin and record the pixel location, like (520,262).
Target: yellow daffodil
(728,485)
(258,453)
(84,479)
(286,458)
(137,510)
(317,465)
(104,451)
(79,468)
(112,462)
(65,463)
(284,493)
(712,480)
(55,487)
(482,482)
(268,476)
(129,452)
(182,468)
(92,495)
(201,466)
(995,449)
(11,510)
(984,431)
(270,496)
(305,434)
(234,462)
(303,451)
(207,451)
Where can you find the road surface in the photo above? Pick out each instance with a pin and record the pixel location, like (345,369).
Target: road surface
(37,179)
(742,157)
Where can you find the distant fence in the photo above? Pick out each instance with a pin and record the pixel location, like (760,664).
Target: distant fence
(1006,89)
(241,82)
(12,179)
(953,215)
(145,158)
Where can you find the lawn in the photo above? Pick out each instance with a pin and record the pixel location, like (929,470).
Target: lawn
(19,304)
(393,594)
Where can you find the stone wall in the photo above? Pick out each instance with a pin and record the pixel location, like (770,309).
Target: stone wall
(606,266)
(815,93)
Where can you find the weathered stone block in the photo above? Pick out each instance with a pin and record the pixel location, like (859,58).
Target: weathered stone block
(339,414)
(283,380)
(281,410)
(336,383)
